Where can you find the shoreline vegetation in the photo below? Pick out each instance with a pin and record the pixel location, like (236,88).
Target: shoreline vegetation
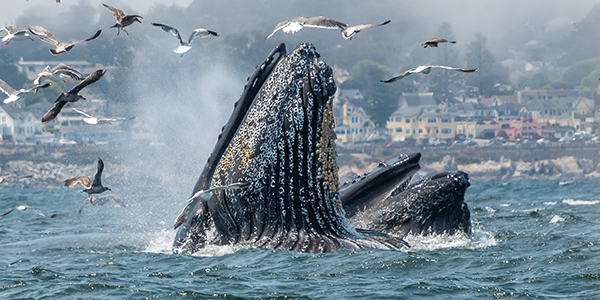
(50,164)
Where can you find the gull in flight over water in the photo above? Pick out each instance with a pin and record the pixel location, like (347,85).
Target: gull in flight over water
(349,32)
(14,95)
(12,34)
(204,195)
(294,25)
(60,47)
(24,207)
(425,69)
(123,20)
(71,96)
(91,188)
(185,46)
(434,42)
(93,120)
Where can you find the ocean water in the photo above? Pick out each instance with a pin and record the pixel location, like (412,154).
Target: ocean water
(533,239)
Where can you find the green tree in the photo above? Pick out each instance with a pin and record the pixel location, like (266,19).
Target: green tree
(490,72)
(9,72)
(380,99)
(533,81)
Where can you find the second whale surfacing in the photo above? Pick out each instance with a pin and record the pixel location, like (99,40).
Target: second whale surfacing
(280,140)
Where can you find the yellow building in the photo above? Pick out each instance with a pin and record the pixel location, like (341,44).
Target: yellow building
(353,125)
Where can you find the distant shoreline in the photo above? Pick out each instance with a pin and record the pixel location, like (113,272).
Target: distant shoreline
(49,165)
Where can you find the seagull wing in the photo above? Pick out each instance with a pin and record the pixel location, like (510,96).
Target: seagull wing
(119,15)
(25,206)
(350,31)
(323,22)
(54,111)
(455,69)
(87,81)
(98,177)
(89,115)
(400,76)
(281,25)
(6,88)
(37,87)
(358,28)
(171,30)
(62,69)
(40,31)
(203,195)
(44,35)
(84,180)
(6,213)
(201,32)
(86,40)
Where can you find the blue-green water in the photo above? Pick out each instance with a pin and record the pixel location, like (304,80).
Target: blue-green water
(533,239)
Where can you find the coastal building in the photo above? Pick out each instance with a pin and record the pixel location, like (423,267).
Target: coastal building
(352,122)
(17,124)
(419,117)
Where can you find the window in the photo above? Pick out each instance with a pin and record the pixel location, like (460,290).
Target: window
(407,130)
(397,119)
(407,120)
(399,130)
(446,130)
(420,130)
(446,120)
(431,120)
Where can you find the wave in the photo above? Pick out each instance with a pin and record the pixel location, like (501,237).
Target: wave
(580,202)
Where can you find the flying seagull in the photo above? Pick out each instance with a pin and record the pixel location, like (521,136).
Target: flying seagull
(71,96)
(91,188)
(122,19)
(185,46)
(14,95)
(294,25)
(425,69)
(2,178)
(24,207)
(93,120)
(60,47)
(57,73)
(204,195)
(14,35)
(349,32)
(434,42)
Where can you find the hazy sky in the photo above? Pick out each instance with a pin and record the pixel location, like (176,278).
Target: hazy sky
(11,9)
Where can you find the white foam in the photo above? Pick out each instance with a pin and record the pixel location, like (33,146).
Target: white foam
(556,219)
(580,202)
(162,243)
(479,239)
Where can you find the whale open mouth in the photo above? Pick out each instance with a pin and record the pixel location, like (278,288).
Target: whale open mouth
(279,143)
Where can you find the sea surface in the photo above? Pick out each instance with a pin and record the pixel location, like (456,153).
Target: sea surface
(533,239)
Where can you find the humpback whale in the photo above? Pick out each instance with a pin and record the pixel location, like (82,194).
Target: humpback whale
(280,140)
